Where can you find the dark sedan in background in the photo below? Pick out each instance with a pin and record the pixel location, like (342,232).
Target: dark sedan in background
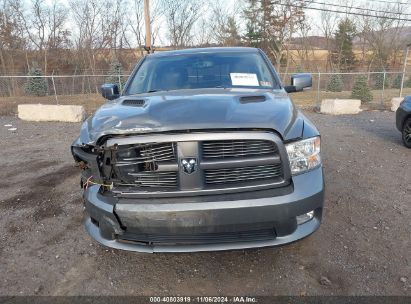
(403,118)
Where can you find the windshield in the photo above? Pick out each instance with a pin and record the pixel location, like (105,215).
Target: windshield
(196,71)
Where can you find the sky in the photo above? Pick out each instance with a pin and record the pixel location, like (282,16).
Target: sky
(313,16)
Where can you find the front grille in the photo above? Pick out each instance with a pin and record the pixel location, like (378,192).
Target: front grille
(224,163)
(243,174)
(200,238)
(138,165)
(237,148)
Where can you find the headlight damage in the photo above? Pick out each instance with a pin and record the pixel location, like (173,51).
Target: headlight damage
(304,155)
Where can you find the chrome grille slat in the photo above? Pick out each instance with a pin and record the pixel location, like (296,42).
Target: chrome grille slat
(235,145)
(157,155)
(242,174)
(237,154)
(237,148)
(129,163)
(225,149)
(156,147)
(157,179)
(152,177)
(239,179)
(240,147)
(234,141)
(223,175)
(247,170)
(150,174)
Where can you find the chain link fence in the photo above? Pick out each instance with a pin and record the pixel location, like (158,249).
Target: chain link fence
(84,89)
(380,87)
(74,89)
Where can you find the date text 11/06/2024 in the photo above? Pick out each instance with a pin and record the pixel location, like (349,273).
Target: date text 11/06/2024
(221,299)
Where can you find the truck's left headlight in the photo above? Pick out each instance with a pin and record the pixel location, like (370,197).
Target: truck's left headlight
(304,154)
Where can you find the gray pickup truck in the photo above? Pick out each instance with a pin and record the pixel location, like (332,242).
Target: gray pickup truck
(202,150)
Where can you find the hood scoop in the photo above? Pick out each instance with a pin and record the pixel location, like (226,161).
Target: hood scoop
(134,102)
(250,99)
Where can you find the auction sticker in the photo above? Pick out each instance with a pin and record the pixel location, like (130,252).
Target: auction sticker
(244,79)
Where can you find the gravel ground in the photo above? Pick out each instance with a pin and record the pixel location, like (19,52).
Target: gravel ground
(362,248)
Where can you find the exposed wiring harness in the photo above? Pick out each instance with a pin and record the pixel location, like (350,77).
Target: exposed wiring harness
(89,182)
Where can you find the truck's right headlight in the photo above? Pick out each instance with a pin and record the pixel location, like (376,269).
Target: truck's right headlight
(304,154)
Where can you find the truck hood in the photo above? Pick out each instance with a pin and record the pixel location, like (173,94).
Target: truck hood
(194,110)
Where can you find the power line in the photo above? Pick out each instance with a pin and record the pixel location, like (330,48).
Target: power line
(386,2)
(389,2)
(348,7)
(356,8)
(340,12)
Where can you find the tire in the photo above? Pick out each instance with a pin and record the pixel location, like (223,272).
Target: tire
(406,133)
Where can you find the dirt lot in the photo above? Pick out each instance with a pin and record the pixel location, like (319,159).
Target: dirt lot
(362,248)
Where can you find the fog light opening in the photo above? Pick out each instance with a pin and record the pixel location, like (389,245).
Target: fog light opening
(303,218)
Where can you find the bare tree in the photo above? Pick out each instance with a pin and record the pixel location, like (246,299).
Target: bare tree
(44,26)
(328,24)
(113,26)
(384,33)
(181,16)
(281,23)
(12,44)
(305,49)
(58,35)
(136,23)
(224,27)
(202,32)
(90,36)
(271,24)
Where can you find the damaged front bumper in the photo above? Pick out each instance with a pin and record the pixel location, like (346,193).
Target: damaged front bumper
(198,224)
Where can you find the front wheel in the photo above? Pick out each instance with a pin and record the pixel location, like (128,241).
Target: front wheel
(406,133)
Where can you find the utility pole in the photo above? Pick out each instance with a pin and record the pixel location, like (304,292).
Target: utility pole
(147,25)
(404,67)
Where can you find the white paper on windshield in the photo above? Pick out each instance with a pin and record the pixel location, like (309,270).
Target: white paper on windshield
(244,79)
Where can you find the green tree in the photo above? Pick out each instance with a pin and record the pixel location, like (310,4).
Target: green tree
(407,83)
(396,84)
(116,73)
(335,84)
(343,56)
(253,15)
(298,68)
(360,89)
(252,36)
(379,82)
(36,84)
(231,36)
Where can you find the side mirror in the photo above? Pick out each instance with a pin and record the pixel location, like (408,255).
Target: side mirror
(110,91)
(299,82)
